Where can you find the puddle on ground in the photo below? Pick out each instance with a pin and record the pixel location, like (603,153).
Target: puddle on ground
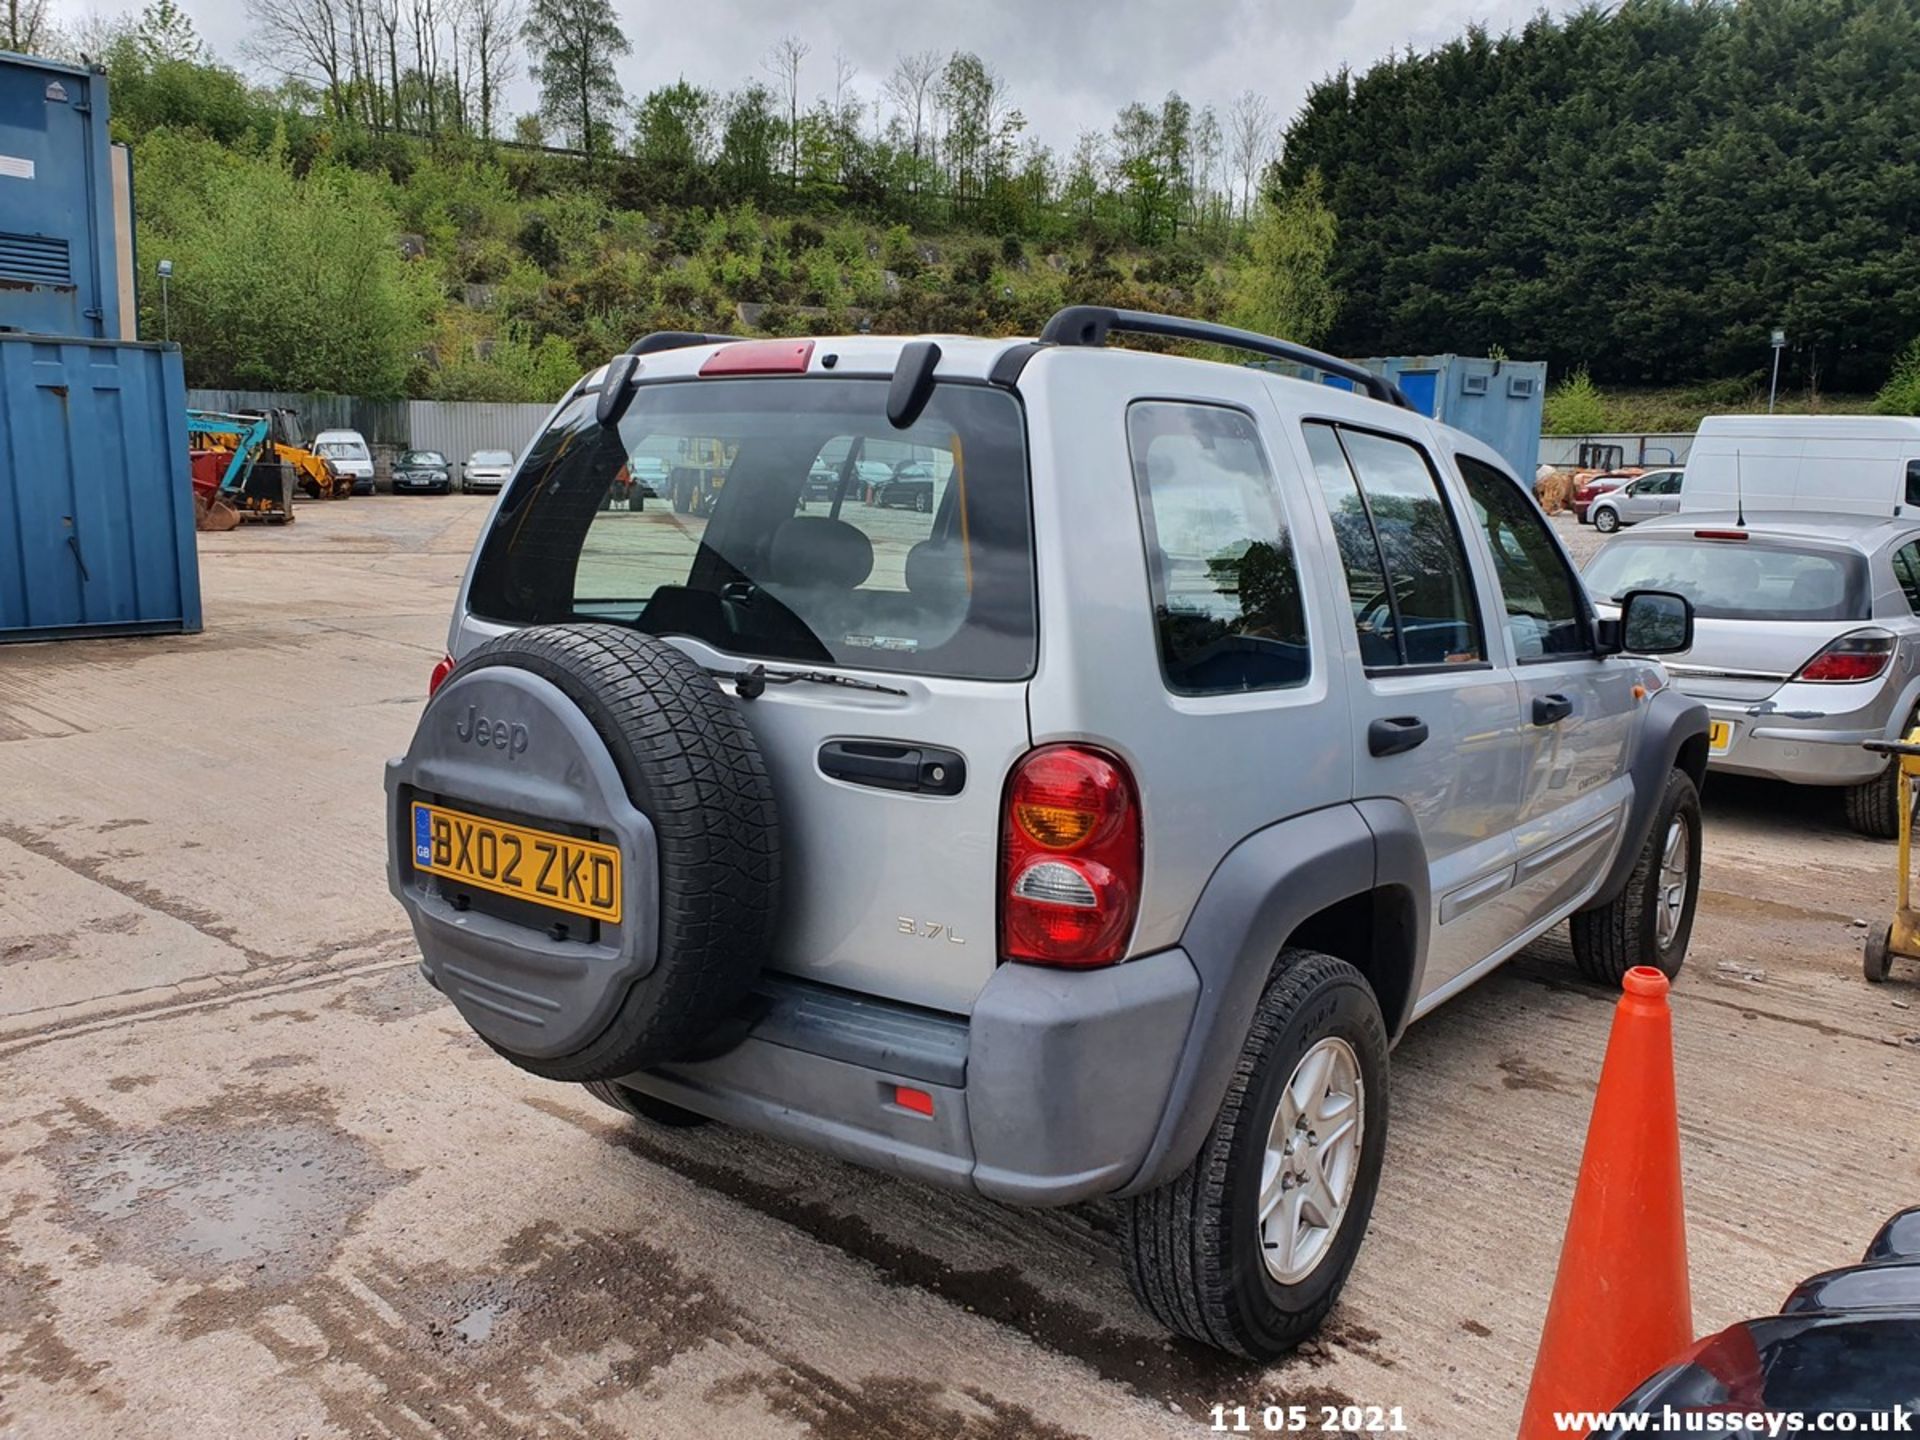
(399,994)
(265,1190)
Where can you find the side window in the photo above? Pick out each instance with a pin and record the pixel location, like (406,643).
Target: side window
(1359,551)
(1906,569)
(1226,591)
(1913,482)
(1544,616)
(1414,605)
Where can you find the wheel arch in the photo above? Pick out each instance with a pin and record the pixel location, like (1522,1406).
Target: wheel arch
(1350,880)
(1672,736)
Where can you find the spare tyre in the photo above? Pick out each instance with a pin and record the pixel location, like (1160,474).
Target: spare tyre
(584,837)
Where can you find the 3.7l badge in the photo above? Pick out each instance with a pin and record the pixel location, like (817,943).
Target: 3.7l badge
(928,930)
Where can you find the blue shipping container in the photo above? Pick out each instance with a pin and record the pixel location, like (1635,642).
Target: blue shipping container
(96,505)
(1499,401)
(59,243)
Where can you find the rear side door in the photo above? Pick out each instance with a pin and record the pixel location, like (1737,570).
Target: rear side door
(1576,706)
(1437,719)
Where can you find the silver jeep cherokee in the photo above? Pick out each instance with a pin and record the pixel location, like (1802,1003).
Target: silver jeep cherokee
(1094,830)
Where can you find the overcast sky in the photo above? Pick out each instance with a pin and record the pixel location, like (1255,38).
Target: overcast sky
(1071,64)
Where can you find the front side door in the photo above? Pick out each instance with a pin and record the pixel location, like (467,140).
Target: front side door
(1576,707)
(1435,717)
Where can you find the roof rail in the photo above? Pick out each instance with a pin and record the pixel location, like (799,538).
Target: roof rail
(675,340)
(1091,324)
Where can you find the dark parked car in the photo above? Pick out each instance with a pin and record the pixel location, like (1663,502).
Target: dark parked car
(910,487)
(422,470)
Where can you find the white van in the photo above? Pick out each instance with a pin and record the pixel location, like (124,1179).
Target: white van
(1840,464)
(348,453)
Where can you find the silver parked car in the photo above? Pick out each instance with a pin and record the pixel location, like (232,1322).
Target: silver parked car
(1655,493)
(1092,830)
(485,470)
(1805,644)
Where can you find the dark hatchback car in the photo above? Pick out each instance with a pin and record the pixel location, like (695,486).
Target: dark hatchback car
(422,470)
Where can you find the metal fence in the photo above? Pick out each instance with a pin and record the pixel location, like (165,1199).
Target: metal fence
(457,428)
(1650,449)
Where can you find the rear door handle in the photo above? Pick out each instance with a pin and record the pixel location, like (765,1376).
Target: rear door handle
(917,769)
(1551,709)
(1396,735)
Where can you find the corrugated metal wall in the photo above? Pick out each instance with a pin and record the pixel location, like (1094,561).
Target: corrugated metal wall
(381,422)
(457,429)
(96,512)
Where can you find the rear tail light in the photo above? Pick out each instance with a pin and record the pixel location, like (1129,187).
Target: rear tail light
(442,668)
(1720,535)
(1070,858)
(1859,656)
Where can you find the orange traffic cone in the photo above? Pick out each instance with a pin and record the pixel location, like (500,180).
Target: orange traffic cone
(1621,1305)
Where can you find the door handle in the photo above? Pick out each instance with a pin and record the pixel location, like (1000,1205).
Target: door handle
(1551,709)
(917,769)
(1396,735)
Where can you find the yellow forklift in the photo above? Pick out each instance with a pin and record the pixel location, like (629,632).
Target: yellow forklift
(1901,939)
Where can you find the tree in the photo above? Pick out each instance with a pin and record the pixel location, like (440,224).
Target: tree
(1281,286)
(673,138)
(910,87)
(490,60)
(1136,165)
(574,44)
(783,63)
(1249,143)
(27,27)
(749,141)
(167,34)
(280,282)
(308,39)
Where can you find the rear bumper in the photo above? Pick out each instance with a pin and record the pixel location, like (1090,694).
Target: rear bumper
(1049,1093)
(1798,748)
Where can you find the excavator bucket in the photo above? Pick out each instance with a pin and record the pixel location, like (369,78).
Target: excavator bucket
(212,513)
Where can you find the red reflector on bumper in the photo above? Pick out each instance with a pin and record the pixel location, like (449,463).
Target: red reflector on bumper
(760,357)
(918,1101)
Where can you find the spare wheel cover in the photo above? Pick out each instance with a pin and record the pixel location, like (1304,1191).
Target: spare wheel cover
(605,734)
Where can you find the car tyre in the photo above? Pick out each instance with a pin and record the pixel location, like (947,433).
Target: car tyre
(1199,1257)
(923,502)
(1606,520)
(1873,808)
(1647,923)
(644,1106)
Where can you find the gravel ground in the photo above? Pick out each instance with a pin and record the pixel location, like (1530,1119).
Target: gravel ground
(259,1181)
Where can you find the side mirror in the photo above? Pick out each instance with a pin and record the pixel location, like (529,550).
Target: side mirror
(1654,622)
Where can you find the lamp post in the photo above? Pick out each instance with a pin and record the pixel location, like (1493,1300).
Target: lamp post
(165,267)
(1779,344)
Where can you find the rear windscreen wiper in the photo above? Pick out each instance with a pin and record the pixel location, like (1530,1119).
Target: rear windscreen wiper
(750,684)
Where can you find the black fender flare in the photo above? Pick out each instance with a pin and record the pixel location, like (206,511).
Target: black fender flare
(1672,735)
(1258,896)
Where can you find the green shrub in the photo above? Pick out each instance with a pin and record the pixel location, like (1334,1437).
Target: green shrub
(1901,394)
(1575,407)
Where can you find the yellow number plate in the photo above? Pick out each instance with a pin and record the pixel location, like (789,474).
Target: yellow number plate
(562,872)
(1719,734)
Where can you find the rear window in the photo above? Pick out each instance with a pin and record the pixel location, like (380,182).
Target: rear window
(793,524)
(1737,580)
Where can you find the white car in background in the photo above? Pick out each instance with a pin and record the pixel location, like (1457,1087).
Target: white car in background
(485,470)
(347,452)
